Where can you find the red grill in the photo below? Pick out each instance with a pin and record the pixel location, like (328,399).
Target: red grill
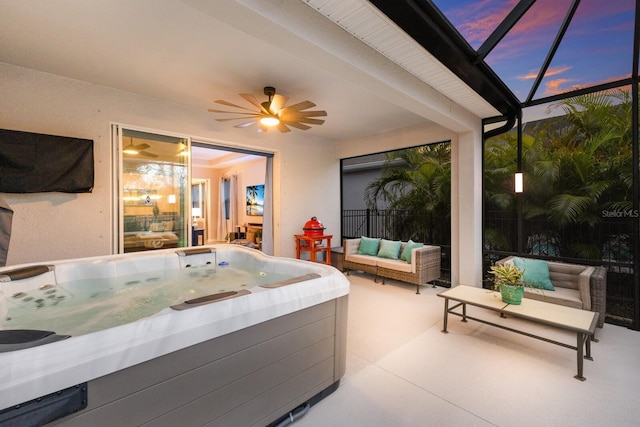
(313,228)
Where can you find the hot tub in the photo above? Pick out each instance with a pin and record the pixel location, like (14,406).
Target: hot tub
(243,350)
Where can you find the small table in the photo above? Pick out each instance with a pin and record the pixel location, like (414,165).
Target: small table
(582,322)
(313,245)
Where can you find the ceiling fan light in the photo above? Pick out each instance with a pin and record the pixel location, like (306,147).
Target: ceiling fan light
(130,151)
(270,121)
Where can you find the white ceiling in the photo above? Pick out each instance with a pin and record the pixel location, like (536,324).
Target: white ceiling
(192,52)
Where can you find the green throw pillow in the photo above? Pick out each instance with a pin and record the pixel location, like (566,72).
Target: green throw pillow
(536,273)
(406,252)
(368,246)
(389,249)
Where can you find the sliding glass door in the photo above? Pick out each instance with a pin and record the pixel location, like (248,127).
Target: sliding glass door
(153,187)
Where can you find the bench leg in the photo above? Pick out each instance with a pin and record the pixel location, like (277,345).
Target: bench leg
(580,350)
(446,315)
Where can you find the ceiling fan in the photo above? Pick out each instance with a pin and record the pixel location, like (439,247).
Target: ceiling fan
(138,149)
(273,113)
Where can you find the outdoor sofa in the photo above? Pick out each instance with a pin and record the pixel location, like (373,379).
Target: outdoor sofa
(575,285)
(421,263)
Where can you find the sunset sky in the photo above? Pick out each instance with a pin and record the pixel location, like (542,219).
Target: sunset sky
(597,47)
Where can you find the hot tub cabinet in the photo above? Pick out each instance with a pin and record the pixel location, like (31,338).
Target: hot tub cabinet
(243,361)
(248,378)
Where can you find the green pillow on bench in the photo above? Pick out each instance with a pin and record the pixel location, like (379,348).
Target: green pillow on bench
(368,246)
(406,252)
(389,249)
(536,273)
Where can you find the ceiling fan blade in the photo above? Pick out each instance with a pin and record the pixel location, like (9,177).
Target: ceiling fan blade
(255,117)
(141,147)
(149,155)
(277,103)
(299,106)
(244,125)
(283,127)
(253,101)
(311,121)
(299,115)
(211,110)
(229,104)
(297,125)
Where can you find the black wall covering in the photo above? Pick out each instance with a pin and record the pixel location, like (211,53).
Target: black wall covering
(36,163)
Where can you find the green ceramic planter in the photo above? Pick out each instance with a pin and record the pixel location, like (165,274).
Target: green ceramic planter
(511,294)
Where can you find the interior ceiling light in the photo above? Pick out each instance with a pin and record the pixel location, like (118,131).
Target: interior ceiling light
(273,113)
(138,149)
(270,121)
(184,150)
(130,149)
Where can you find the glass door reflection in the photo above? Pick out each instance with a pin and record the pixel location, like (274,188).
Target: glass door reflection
(154,193)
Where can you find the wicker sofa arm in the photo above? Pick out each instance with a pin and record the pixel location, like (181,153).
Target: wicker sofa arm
(598,286)
(427,262)
(584,286)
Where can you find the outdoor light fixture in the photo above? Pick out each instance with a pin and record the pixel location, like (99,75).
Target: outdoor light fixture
(518,181)
(270,121)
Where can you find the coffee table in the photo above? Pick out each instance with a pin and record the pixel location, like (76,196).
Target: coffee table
(582,322)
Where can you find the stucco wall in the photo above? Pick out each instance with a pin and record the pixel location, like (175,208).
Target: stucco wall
(50,226)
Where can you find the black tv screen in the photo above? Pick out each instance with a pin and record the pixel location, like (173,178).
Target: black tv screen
(36,163)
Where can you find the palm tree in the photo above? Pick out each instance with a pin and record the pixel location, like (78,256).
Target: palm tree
(576,167)
(416,183)
(582,168)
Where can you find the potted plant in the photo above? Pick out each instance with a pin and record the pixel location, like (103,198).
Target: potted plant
(507,278)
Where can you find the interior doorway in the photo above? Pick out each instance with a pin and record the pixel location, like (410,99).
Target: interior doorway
(233,175)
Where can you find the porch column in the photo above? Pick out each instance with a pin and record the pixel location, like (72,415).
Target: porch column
(466,209)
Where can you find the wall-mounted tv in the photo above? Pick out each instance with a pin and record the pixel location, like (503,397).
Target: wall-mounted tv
(255,200)
(37,163)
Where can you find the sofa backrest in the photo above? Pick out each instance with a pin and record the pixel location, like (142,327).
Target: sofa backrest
(565,275)
(562,275)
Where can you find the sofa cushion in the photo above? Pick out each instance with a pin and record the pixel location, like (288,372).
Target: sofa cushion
(363,259)
(561,296)
(368,246)
(389,249)
(536,273)
(394,264)
(408,250)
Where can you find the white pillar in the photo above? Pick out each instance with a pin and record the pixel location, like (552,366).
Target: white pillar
(466,209)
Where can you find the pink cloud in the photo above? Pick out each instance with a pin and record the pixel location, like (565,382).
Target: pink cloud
(550,72)
(476,21)
(553,87)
